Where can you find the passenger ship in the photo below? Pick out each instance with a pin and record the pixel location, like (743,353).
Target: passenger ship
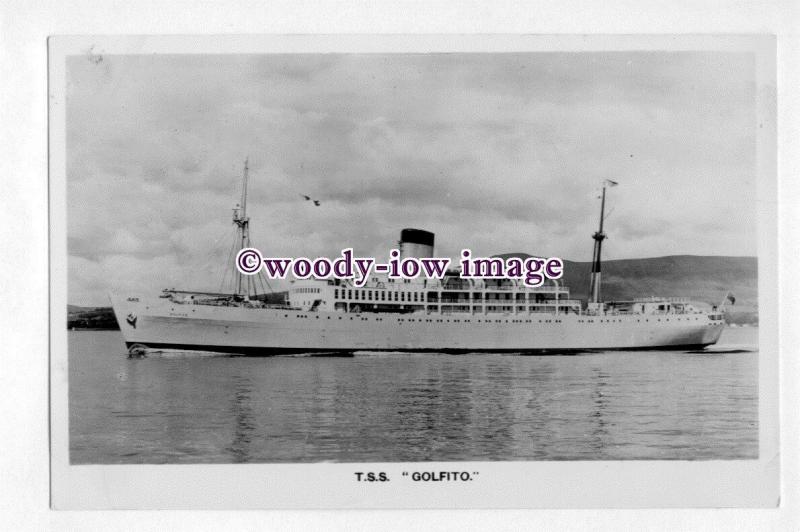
(451,315)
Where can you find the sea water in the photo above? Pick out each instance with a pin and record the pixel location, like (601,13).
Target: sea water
(387,407)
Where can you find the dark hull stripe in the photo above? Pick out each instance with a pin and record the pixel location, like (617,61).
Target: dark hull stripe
(271,351)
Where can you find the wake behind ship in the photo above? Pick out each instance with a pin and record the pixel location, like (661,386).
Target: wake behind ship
(451,315)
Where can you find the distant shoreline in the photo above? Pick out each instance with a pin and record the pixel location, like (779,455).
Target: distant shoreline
(91,318)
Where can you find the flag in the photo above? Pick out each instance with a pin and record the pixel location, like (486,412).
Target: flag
(610,183)
(731,298)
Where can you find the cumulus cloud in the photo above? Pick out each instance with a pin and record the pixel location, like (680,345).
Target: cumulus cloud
(496,152)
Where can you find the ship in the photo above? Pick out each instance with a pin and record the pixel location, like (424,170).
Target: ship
(448,315)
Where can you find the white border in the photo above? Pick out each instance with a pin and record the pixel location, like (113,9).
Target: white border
(24,464)
(561,484)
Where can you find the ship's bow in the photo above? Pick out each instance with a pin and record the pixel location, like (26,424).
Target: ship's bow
(126,310)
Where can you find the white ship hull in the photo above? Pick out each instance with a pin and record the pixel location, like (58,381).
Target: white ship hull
(163,324)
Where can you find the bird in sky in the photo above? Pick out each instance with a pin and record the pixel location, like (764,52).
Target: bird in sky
(309,198)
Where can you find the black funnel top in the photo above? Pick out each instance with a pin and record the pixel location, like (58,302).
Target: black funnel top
(417,236)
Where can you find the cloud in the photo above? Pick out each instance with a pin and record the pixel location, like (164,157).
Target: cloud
(497,152)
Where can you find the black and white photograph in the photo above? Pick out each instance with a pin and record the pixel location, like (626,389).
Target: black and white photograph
(470,259)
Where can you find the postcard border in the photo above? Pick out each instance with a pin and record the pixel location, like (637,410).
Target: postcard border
(557,484)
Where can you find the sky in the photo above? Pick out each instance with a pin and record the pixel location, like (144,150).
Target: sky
(493,152)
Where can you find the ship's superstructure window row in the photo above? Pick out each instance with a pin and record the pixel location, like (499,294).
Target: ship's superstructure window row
(450,296)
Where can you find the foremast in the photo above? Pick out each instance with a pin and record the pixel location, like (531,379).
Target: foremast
(243,231)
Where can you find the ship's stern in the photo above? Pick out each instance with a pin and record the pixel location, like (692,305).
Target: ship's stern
(713,329)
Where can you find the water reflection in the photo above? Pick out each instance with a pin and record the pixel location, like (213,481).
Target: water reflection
(494,418)
(242,414)
(536,419)
(599,432)
(433,411)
